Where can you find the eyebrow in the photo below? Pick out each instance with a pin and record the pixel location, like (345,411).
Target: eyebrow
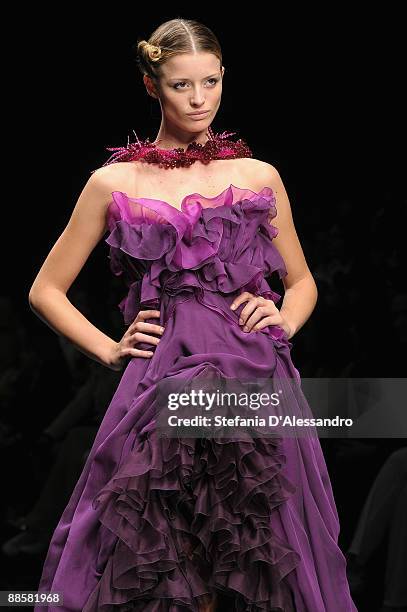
(186,78)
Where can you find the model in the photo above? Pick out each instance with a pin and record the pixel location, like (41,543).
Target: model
(158,523)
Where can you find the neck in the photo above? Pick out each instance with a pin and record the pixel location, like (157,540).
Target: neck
(171,139)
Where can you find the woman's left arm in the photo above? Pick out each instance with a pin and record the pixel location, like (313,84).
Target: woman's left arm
(301,292)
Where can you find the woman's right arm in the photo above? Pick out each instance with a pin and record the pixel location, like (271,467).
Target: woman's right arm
(47,296)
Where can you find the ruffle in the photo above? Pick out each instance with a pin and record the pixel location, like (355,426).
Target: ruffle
(223,248)
(191,514)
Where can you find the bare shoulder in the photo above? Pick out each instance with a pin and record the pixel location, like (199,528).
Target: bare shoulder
(267,175)
(113,177)
(286,240)
(260,174)
(93,202)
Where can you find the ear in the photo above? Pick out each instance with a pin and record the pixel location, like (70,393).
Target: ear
(150,86)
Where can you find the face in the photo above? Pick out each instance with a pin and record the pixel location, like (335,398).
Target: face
(189,82)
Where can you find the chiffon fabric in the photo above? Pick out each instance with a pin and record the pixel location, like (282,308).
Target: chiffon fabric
(155,524)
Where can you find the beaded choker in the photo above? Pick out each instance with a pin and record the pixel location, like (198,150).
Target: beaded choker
(219,146)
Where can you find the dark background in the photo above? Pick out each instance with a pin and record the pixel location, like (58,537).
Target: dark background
(319,96)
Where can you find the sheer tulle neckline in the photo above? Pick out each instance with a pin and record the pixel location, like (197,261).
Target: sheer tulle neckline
(182,208)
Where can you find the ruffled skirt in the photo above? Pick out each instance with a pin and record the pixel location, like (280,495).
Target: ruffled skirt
(156,524)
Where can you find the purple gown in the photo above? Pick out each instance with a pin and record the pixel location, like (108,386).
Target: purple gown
(267,527)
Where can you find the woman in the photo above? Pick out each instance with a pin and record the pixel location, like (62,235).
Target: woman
(180,524)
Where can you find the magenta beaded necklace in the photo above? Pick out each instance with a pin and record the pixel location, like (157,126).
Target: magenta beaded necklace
(219,146)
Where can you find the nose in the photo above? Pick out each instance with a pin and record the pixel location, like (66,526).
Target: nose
(198,98)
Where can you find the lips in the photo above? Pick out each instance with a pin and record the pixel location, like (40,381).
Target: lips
(197,114)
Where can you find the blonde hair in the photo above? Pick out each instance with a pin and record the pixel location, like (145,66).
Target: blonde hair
(171,38)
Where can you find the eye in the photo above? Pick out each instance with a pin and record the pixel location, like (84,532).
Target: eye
(183,83)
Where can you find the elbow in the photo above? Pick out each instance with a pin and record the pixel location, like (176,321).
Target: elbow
(308,284)
(33,299)
(35,296)
(315,291)
(315,287)
(40,296)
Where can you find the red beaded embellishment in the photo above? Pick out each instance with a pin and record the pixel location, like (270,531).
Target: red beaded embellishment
(219,146)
